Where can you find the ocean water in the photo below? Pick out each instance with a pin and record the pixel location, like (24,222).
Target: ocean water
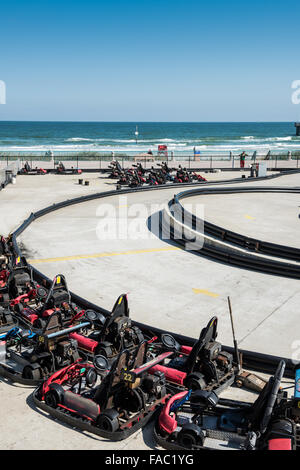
(181,138)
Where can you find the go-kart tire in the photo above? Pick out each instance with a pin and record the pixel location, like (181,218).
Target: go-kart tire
(54,396)
(108,420)
(195,381)
(190,436)
(31,374)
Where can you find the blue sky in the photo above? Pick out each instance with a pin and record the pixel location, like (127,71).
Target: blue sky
(149,60)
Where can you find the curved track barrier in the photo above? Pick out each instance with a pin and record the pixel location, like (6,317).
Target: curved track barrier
(252,360)
(252,244)
(255,254)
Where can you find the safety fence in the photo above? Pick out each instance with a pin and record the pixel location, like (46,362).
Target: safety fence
(102,163)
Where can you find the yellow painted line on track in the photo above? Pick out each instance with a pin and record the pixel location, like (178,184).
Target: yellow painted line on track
(249,217)
(101,255)
(205,292)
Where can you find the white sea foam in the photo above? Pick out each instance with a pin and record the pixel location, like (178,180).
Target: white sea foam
(78,139)
(179,146)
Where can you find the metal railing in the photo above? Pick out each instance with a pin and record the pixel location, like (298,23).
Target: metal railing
(190,162)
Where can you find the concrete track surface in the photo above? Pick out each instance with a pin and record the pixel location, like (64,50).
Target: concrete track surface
(168,287)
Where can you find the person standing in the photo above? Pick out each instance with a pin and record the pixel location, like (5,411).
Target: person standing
(243,156)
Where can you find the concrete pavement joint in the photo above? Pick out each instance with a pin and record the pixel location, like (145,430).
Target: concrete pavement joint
(268,316)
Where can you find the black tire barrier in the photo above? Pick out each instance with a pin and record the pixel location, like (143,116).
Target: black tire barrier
(228,256)
(252,244)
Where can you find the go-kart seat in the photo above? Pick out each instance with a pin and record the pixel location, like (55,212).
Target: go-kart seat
(179,368)
(104,392)
(260,413)
(120,309)
(262,409)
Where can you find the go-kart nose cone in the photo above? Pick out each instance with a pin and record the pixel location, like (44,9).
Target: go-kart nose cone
(101,363)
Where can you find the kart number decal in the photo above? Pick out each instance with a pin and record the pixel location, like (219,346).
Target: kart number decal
(128,376)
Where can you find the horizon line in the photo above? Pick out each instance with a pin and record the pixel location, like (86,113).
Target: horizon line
(151,122)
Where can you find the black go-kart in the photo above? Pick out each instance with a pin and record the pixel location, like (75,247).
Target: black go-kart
(15,281)
(182,176)
(109,335)
(38,303)
(110,402)
(7,253)
(139,168)
(27,170)
(7,321)
(116,169)
(198,420)
(136,180)
(28,357)
(62,170)
(203,366)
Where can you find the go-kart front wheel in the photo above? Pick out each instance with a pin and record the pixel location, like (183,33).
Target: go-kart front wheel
(32,374)
(108,420)
(190,436)
(195,381)
(54,396)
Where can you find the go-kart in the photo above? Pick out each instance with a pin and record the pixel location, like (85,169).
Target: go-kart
(166,171)
(196,177)
(27,357)
(155,177)
(202,420)
(182,176)
(15,280)
(136,180)
(27,170)
(62,170)
(108,336)
(37,304)
(6,253)
(139,168)
(6,320)
(205,366)
(116,169)
(111,402)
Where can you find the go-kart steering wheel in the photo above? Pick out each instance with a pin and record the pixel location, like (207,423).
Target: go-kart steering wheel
(101,363)
(272,396)
(94,317)
(170,342)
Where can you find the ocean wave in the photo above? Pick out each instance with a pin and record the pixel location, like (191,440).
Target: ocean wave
(78,139)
